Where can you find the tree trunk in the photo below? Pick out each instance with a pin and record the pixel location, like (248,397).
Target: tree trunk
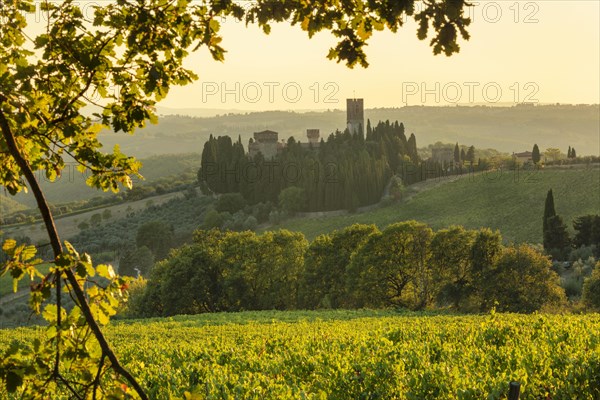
(57,249)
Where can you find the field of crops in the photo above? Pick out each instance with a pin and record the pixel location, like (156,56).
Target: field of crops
(359,355)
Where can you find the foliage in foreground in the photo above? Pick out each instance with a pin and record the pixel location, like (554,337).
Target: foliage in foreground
(359,355)
(48,79)
(68,359)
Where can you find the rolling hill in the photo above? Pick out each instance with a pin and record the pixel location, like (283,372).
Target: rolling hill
(507,129)
(8,205)
(510,202)
(72,187)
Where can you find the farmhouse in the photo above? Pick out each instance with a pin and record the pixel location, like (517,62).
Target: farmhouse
(523,158)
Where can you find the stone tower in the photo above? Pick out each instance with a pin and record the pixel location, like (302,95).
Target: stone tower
(264,142)
(355,115)
(313,136)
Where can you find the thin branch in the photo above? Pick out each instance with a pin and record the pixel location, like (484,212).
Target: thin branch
(87,85)
(69,387)
(29,175)
(57,248)
(58,322)
(97,378)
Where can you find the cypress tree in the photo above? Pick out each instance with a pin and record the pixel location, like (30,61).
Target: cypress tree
(549,210)
(401,133)
(456,153)
(555,235)
(471,154)
(412,147)
(583,226)
(573,154)
(535,154)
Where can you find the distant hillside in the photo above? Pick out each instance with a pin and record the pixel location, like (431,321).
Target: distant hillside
(9,205)
(506,129)
(512,203)
(71,186)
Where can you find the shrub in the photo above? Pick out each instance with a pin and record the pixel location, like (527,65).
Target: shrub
(292,199)
(250,223)
(583,253)
(591,289)
(526,281)
(133,307)
(572,286)
(214,219)
(230,202)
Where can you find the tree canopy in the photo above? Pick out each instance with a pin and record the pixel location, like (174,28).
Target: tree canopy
(84,73)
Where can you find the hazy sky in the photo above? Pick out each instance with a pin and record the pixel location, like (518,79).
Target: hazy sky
(538,51)
(542,51)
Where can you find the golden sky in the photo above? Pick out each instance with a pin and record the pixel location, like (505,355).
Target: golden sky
(543,51)
(520,51)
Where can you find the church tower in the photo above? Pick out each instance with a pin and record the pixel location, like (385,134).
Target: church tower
(355,116)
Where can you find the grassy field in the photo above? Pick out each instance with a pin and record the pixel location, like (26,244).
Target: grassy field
(357,355)
(510,202)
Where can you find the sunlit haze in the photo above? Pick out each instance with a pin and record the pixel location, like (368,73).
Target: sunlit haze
(540,52)
(534,52)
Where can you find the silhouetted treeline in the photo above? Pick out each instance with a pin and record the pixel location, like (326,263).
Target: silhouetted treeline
(345,171)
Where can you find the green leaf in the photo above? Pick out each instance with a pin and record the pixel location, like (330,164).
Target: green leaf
(49,313)
(63,260)
(305,23)
(9,245)
(103,318)
(93,291)
(105,271)
(87,264)
(81,269)
(13,381)
(28,253)
(378,26)
(214,25)
(362,32)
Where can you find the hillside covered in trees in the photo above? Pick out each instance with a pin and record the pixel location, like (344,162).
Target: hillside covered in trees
(346,171)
